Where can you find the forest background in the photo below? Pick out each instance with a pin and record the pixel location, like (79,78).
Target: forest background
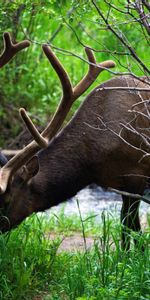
(29,81)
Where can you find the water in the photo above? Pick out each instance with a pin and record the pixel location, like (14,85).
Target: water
(95,200)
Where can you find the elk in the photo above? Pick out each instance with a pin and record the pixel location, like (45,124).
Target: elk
(87,150)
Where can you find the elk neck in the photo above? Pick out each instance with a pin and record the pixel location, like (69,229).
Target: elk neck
(64,168)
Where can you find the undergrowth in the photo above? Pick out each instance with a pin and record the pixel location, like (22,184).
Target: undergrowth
(31,265)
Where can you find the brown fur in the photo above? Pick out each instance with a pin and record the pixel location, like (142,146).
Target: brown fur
(85,152)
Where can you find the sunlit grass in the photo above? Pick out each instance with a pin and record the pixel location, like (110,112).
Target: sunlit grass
(31,265)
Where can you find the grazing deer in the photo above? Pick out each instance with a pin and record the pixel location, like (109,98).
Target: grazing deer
(89,149)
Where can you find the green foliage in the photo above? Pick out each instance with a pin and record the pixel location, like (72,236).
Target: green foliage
(29,81)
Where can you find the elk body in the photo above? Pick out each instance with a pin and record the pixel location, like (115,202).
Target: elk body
(96,146)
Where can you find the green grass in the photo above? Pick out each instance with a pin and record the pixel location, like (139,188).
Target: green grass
(30,264)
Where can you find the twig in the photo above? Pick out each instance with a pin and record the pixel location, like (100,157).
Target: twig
(136,196)
(143,17)
(123,88)
(132,51)
(113,52)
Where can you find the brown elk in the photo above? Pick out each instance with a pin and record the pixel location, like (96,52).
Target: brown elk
(87,150)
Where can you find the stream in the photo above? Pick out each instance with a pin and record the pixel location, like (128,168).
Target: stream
(94,200)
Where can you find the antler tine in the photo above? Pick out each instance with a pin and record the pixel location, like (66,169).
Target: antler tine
(69,96)
(11,49)
(43,143)
(62,74)
(93,72)
(24,155)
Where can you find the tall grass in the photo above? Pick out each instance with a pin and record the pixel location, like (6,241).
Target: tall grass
(31,265)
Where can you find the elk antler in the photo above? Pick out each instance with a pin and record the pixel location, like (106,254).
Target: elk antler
(69,96)
(11,49)
(32,129)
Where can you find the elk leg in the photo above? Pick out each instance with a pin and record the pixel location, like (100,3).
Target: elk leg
(130,220)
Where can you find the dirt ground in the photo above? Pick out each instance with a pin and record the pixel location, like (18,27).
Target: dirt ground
(75,241)
(71,243)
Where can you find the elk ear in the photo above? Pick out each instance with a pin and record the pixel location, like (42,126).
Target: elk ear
(30,169)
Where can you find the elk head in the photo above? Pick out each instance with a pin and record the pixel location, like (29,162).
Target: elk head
(20,177)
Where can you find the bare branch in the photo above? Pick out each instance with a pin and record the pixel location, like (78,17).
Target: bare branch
(128,46)
(147,4)
(144,18)
(135,196)
(123,88)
